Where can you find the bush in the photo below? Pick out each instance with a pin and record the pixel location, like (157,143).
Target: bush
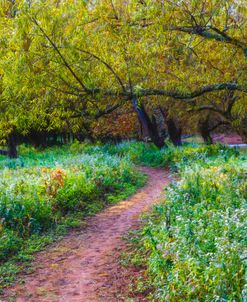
(10,243)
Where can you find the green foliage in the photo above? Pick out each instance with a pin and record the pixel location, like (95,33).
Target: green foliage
(39,194)
(10,243)
(194,243)
(44,192)
(59,71)
(149,155)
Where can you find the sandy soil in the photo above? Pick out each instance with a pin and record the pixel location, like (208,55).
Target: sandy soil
(83,267)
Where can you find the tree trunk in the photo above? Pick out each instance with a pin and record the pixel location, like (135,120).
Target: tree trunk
(12,146)
(174,130)
(205,133)
(204,129)
(149,127)
(206,137)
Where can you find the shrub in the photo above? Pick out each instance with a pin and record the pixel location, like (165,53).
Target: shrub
(10,243)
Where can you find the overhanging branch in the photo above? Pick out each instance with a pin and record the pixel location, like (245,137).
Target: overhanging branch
(107,65)
(175,94)
(56,49)
(193,94)
(212,33)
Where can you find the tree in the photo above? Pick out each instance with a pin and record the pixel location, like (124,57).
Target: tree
(90,59)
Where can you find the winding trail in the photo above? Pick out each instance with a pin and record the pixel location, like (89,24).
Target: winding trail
(83,267)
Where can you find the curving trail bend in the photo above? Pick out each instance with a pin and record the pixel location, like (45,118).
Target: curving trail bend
(83,267)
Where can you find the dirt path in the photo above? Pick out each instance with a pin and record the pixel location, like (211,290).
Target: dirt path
(83,266)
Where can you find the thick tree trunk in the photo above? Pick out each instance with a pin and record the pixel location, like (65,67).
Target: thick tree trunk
(174,131)
(12,146)
(206,137)
(173,128)
(204,129)
(205,133)
(149,127)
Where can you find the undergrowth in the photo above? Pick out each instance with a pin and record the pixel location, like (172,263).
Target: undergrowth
(192,246)
(43,193)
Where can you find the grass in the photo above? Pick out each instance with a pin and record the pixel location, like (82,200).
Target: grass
(43,193)
(192,247)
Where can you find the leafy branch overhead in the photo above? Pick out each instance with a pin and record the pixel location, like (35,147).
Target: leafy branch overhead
(65,65)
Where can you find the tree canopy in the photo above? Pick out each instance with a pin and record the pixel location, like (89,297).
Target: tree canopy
(66,64)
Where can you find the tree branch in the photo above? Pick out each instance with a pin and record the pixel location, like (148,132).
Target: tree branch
(99,114)
(195,93)
(221,123)
(59,53)
(107,65)
(108,110)
(216,35)
(207,107)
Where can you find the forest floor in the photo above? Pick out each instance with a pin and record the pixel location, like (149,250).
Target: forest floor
(84,266)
